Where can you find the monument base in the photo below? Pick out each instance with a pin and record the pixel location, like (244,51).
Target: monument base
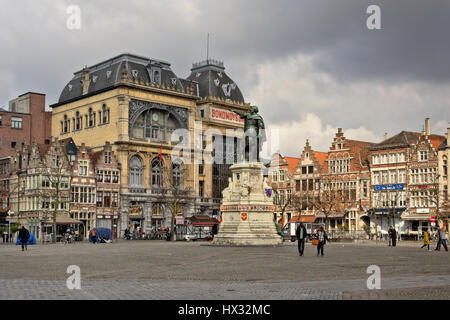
(247,210)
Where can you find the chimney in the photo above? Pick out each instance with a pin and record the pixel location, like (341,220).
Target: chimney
(427,126)
(385,136)
(85,79)
(448,137)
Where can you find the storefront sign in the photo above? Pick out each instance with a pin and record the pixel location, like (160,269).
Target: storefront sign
(382,187)
(423,210)
(225,115)
(179,219)
(136,211)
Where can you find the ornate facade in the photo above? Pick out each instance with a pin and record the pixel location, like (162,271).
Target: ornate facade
(137,104)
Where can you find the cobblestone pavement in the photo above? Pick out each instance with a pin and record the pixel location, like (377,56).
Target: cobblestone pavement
(181,270)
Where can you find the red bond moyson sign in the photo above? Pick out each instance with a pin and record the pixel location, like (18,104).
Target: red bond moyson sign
(225,115)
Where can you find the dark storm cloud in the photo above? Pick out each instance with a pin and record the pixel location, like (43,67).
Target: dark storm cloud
(40,54)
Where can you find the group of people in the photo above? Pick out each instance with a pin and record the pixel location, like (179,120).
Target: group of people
(318,238)
(442,239)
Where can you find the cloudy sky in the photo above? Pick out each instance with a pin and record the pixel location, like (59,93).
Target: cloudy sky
(311,66)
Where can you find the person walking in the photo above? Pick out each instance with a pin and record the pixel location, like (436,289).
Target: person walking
(442,239)
(301,236)
(94,235)
(322,237)
(23,236)
(394,237)
(390,235)
(426,240)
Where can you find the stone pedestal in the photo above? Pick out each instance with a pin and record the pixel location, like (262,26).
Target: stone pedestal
(247,211)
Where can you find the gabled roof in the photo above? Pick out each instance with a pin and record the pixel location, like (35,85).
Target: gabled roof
(436,140)
(443,145)
(402,139)
(321,157)
(292,163)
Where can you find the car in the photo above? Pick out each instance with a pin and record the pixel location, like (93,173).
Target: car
(189,237)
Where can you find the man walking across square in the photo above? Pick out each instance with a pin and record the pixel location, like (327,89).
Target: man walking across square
(24,234)
(301,236)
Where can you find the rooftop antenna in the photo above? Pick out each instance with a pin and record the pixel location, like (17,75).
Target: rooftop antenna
(207,47)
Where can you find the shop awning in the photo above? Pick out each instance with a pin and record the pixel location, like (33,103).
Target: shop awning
(303,219)
(416,217)
(332,215)
(62,220)
(203,221)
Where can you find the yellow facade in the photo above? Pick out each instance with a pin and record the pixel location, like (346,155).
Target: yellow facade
(117,100)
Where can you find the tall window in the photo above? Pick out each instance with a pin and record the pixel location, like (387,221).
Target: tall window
(157,173)
(16,123)
(78,121)
(83,171)
(105,113)
(423,155)
(281,175)
(107,156)
(135,171)
(99,198)
(177,175)
(91,117)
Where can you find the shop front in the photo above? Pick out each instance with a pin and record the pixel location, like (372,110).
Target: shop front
(108,222)
(63,222)
(136,217)
(417,221)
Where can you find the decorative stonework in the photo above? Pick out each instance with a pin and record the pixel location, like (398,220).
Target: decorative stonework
(136,107)
(247,209)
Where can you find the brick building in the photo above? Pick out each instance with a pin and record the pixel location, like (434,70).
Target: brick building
(280,173)
(108,175)
(389,181)
(306,182)
(348,174)
(82,187)
(444,178)
(423,170)
(25,121)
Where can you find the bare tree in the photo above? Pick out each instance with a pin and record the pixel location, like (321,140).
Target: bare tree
(176,191)
(331,198)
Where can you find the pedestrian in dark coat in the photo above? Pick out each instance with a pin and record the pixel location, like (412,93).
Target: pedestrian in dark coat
(24,235)
(394,237)
(390,235)
(301,236)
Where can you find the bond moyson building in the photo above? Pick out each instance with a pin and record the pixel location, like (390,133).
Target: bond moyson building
(136,103)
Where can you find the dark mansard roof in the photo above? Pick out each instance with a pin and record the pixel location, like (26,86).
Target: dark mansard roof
(208,78)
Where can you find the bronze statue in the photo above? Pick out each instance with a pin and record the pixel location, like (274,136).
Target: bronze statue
(254,129)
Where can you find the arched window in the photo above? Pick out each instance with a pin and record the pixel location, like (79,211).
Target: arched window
(155,124)
(157,174)
(177,175)
(136,171)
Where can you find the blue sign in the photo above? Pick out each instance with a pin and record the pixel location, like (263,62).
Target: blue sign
(268,192)
(382,187)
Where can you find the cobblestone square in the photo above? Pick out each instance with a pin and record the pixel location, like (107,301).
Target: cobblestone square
(195,270)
